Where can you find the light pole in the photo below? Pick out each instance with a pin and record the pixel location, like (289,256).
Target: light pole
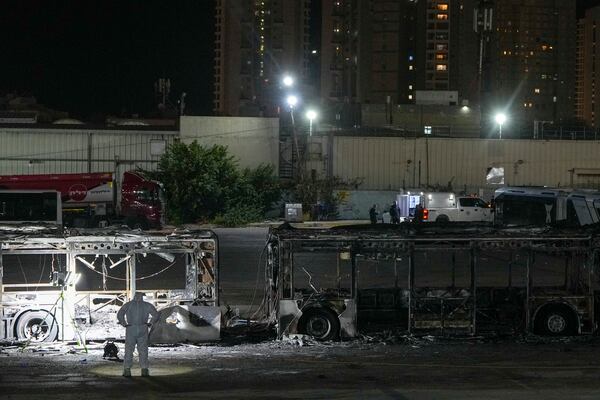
(311,115)
(500,120)
(292,100)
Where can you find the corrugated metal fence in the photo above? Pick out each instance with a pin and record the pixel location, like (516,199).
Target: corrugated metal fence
(46,151)
(390,163)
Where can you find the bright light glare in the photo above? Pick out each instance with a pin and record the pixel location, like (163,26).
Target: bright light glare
(288,81)
(292,100)
(500,118)
(311,114)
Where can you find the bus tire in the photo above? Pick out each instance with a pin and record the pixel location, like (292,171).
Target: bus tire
(556,320)
(37,326)
(320,323)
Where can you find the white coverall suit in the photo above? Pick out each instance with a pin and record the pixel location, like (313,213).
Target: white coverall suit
(134,316)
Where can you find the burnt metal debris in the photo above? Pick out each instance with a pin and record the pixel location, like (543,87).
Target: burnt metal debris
(443,279)
(68,285)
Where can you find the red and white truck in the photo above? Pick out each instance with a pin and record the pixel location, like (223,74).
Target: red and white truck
(92,200)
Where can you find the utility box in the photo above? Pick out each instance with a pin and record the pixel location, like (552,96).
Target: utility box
(293,212)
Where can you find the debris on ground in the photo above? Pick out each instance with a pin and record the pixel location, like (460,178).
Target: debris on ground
(299,340)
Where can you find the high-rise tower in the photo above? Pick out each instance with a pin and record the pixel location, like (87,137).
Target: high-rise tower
(256,42)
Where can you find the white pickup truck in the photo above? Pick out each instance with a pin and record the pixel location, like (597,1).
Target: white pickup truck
(443,207)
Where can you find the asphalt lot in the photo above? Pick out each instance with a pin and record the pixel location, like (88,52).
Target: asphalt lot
(386,367)
(412,369)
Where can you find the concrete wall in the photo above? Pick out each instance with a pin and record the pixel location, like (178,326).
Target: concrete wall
(355,204)
(253,141)
(446,121)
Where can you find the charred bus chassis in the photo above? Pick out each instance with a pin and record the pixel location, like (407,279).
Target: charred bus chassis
(69,288)
(434,279)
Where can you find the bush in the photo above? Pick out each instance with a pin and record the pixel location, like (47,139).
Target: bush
(239,215)
(202,183)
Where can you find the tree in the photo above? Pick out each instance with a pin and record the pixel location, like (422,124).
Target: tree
(202,183)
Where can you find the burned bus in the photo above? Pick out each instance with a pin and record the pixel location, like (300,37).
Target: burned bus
(424,278)
(70,288)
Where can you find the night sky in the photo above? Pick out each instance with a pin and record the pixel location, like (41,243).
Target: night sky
(95,58)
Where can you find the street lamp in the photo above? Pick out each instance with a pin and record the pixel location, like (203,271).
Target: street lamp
(311,115)
(288,81)
(500,120)
(292,101)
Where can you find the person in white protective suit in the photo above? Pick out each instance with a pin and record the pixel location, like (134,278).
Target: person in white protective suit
(134,317)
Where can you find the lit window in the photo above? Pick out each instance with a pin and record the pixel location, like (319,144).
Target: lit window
(410,96)
(409,87)
(410,67)
(410,58)
(440,56)
(442,16)
(441,67)
(544,47)
(442,7)
(427,130)
(537,90)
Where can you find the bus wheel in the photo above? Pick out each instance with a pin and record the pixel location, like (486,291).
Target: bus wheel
(556,321)
(320,323)
(37,326)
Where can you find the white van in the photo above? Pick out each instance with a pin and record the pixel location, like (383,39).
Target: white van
(445,207)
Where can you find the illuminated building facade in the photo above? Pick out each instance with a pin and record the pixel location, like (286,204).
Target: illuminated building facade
(256,42)
(533,61)
(588,82)
(385,50)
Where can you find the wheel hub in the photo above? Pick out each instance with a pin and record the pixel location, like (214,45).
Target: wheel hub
(556,323)
(36,329)
(318,327)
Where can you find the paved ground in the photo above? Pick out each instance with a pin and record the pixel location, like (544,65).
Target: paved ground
(410,370)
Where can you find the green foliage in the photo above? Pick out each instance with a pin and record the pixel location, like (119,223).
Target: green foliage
(203,182)
(260,187)
(239,215)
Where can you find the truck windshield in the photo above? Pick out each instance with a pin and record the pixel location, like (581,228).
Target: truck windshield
(578,212)
(149,196)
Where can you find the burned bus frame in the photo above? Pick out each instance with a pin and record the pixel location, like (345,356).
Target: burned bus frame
(470,309)
(23,303)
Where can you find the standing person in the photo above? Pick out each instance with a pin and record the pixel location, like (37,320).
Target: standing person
(418,213)
(394,214)
(134,317)
(373,214)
